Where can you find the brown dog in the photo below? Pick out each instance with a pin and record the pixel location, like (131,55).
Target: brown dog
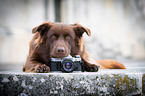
(59,40)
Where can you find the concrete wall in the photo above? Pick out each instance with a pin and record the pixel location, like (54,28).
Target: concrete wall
(117,26)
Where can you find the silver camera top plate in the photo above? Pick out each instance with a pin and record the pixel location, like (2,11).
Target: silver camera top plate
(76,58)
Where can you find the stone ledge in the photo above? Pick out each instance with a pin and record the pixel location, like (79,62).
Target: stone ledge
(104,82)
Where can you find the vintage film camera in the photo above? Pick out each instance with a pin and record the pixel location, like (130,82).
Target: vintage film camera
(67,64)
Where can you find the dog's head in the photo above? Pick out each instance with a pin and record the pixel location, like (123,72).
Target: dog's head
(60,39)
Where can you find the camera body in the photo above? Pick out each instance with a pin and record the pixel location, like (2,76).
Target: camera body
(66,64)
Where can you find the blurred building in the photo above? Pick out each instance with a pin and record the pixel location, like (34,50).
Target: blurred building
(117,26)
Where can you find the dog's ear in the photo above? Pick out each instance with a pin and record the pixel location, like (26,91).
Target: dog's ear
(41,28)
(79,30)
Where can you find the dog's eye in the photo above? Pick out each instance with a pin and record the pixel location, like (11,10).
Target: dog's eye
(54,37)
(68,37)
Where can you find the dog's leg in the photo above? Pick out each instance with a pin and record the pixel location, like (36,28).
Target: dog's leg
(90,67)
(35,67)
(110,64)
(90,64)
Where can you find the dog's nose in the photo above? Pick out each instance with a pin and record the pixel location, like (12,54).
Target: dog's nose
(60,50)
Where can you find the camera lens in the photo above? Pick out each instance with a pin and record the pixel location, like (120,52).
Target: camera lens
(67,65)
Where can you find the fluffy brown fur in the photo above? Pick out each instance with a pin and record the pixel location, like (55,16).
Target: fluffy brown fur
(59,40)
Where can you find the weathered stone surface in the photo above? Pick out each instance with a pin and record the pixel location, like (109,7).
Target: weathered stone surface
(64,84)
(143,84)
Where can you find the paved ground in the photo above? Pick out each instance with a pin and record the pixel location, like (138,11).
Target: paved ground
(105,82)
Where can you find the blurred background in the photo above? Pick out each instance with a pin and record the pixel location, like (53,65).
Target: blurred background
(117,26)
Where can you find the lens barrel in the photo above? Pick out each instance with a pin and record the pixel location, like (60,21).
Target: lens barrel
(67,65)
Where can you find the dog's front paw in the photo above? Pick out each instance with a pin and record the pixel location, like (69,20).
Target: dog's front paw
(42,69)
(94,68)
